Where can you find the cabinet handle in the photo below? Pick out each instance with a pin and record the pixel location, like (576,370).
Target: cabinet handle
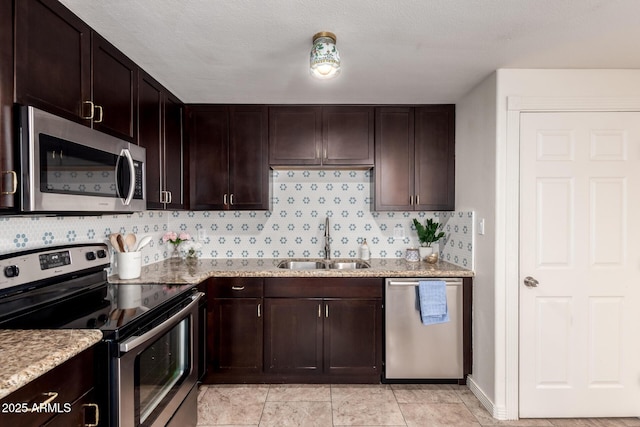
(99,107)
(97,414)
(169,197)
(319,310)
(52,395)
(324,154)
(14,187)
(259,315)
(411,200)
(224,199)
(231,199)
(417,199)
(318,153)
(326,310)
(237,288)
(92,109)
(163,198)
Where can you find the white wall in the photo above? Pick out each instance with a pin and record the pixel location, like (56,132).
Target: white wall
(476,190)
(491,194)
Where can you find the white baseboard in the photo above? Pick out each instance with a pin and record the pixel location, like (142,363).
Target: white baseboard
(495,411)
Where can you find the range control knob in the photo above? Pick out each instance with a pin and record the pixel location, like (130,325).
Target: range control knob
(90,256)
(102,253)
(11,271)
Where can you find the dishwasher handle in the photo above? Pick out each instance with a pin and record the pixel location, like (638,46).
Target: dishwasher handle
(415,282)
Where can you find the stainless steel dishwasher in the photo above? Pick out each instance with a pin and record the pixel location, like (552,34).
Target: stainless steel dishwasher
(414,351)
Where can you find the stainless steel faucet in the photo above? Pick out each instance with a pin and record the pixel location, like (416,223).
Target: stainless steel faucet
(327,237)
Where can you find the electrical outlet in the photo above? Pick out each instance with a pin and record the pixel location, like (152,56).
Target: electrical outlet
(202,234)
(398,232)
(481,226)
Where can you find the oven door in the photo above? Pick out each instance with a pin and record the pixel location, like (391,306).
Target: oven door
(156,370)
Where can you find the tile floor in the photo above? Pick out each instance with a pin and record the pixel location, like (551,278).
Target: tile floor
(361,405)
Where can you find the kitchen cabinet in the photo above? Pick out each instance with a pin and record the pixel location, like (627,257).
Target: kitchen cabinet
(160,132)
(68,389)
(332,136)
(8,174)
(414,158)
(324,329)
(235,322)
(63,67)
(228,161)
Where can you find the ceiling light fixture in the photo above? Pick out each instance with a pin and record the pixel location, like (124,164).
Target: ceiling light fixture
(325,59)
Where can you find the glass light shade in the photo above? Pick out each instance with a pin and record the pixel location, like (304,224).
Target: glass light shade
(324,62)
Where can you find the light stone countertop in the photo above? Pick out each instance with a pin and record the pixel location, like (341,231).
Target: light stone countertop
(27,354)
(194,273)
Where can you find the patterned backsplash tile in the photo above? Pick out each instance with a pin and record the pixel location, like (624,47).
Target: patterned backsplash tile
(302,200)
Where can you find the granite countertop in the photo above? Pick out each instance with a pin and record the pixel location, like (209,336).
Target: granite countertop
(193,273)
(27,354)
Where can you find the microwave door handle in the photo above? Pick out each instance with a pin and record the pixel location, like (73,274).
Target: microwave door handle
(135,342)
(132,185)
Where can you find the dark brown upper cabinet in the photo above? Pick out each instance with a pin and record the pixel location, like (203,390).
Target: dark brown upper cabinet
(8,172)
(63,67)
(332,136)
(415,157)
(228,166)
(160,132)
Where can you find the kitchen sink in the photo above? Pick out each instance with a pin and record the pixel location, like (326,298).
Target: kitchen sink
(302,265)
(321,265)
(351,265)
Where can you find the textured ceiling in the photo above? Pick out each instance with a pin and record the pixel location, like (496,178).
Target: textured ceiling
(393,51)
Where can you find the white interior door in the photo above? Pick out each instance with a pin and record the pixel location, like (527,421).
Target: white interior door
(580,240)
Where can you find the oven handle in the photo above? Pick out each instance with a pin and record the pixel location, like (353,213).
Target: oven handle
(134,342)
(132,170)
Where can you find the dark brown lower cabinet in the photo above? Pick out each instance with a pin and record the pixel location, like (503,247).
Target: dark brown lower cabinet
(294,330)
(69,390)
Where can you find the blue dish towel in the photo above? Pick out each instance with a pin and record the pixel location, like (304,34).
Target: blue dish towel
(433,301)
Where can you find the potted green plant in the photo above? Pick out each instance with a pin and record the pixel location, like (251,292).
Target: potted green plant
(428,234)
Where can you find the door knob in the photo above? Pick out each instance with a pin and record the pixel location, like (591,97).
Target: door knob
(530,282)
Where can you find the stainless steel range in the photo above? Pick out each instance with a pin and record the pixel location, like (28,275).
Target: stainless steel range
(150,357)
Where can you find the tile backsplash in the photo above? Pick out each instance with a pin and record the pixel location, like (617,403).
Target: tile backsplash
(302,200)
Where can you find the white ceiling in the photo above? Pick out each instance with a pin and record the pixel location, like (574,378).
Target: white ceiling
(393,51)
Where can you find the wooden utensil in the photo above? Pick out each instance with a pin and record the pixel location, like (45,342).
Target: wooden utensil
(130,242)
(113,239)
(120,242)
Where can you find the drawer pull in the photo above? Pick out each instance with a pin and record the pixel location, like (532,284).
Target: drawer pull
(319,310)
(326,310)
(259,314)
(237,288)
(97,414)
(52,395)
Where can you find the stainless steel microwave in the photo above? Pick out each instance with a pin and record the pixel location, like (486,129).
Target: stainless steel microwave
(67,167)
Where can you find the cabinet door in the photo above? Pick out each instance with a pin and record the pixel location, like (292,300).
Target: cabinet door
(347,136)
(295,135)
(394,159)
(435,157)
(150,135)
(114,90)
(248,158)
(293,336)
(52,58)
(174,159)
(208,157)
(236,336)
(352,337)
(8,173)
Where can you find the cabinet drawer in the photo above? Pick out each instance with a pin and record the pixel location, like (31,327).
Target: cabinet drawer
(323,287)
(232,287)
(68,381)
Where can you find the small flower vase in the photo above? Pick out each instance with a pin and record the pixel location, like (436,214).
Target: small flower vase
(192,257)
(175,257)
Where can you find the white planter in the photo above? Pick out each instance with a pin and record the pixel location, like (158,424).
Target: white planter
(425,251)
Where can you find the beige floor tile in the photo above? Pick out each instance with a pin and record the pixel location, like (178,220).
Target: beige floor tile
(589,422)
(425,393)
(438,415)
(365,405)
(485,418)
(299,393)
(304,414)
(227,405)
